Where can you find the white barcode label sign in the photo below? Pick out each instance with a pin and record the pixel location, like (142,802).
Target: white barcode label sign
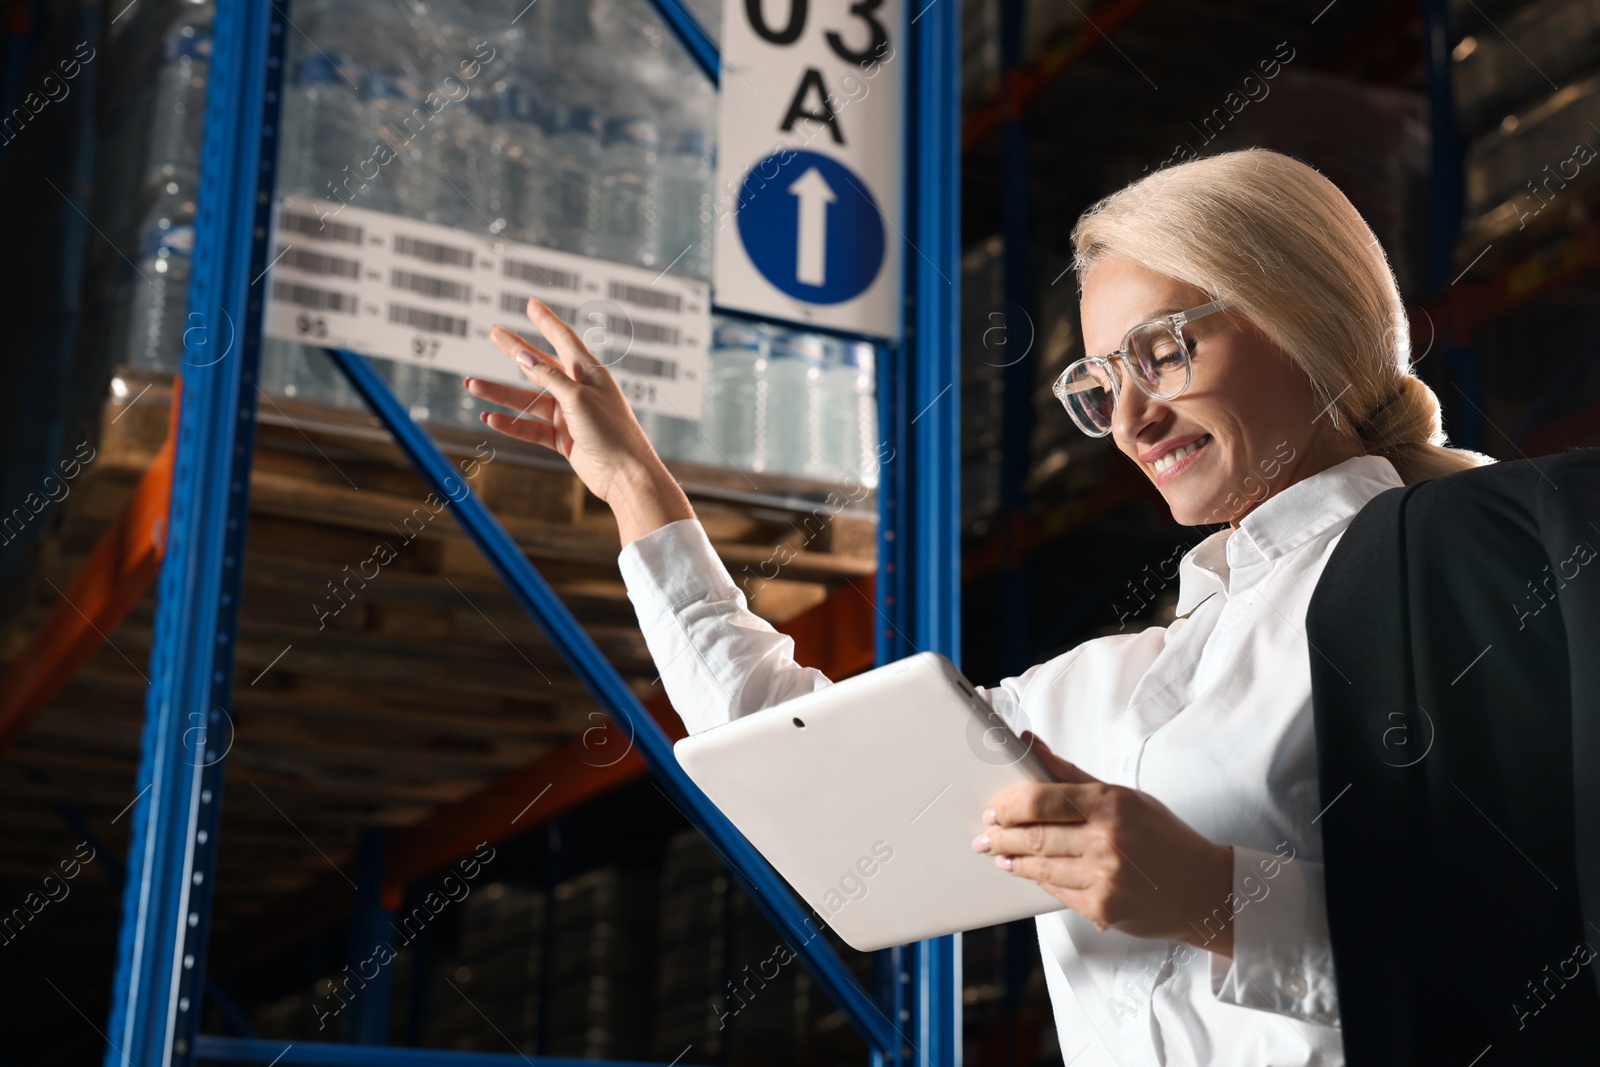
(395,288)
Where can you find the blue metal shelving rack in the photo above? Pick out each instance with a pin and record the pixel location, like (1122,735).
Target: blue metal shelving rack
(915,1016)
(1446,185)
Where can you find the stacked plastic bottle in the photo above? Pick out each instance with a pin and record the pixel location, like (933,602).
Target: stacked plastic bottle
(788,402)
(155,165)
(557,142)
(519,192)
(794,399)
(629,222)
(686,203)
(734,425)
(851,413)
(572,174)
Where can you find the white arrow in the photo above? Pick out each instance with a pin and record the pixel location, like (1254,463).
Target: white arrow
(815,194)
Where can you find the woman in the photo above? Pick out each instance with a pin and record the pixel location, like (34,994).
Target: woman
(1251,358)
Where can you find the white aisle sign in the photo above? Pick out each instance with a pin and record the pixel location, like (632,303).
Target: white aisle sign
(388,286)
(810,168)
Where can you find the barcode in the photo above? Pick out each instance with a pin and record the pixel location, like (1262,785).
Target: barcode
(642,331)
(515,302)
(648,365)
(317,263)
(539,274)
(646,298)
(312,226)
(430,321)
(317,299)
(615,325)
(428,285)
(432,252)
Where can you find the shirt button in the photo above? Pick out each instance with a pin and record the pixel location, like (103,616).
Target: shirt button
(1294,985)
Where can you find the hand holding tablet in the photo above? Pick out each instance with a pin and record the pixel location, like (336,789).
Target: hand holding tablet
(866,796)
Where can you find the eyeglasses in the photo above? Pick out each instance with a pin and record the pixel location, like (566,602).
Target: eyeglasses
(1156,355)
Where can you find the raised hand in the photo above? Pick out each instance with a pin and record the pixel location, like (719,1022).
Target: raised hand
(578,410)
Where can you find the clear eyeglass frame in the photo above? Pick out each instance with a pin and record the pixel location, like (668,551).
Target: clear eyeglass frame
(1160,366)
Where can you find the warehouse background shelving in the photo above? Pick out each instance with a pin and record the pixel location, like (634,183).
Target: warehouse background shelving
(1499,319)
(362,733)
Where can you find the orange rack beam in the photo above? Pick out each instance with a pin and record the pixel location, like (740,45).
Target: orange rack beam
(119,571)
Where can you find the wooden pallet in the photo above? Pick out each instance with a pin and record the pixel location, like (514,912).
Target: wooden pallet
(426,684)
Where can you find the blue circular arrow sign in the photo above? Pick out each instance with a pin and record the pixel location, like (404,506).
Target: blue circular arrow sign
(811,227)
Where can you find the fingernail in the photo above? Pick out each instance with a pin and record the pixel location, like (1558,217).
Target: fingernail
(525,359)
(988,817)
(980,843)
(1004,862)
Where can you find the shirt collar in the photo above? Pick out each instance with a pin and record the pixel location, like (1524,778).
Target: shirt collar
(1282,523)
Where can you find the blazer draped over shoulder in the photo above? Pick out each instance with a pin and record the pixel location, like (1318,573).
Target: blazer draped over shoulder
(1455,661)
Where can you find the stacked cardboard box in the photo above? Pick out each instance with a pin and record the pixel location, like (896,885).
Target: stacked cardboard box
(602,965)
(1371,141)
(693,952)
(1552,39)
(729,987)
(485,995)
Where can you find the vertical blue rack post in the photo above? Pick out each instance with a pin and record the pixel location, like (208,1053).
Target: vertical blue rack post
(161,951)
(920,554)
(167,900)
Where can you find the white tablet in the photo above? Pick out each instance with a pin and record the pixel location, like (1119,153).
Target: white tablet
(865,795)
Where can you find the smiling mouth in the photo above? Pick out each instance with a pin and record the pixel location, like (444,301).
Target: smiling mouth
(1168,463)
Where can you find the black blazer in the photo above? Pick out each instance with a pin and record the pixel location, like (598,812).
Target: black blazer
(1455,668)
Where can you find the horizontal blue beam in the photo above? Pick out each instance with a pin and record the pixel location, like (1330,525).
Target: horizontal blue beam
(769,891)
(798,325)
(285,1053)
(691,35)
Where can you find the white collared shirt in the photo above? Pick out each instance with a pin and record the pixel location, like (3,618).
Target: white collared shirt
(1211,715)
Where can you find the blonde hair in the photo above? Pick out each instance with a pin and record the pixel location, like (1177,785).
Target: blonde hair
(1289,252)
